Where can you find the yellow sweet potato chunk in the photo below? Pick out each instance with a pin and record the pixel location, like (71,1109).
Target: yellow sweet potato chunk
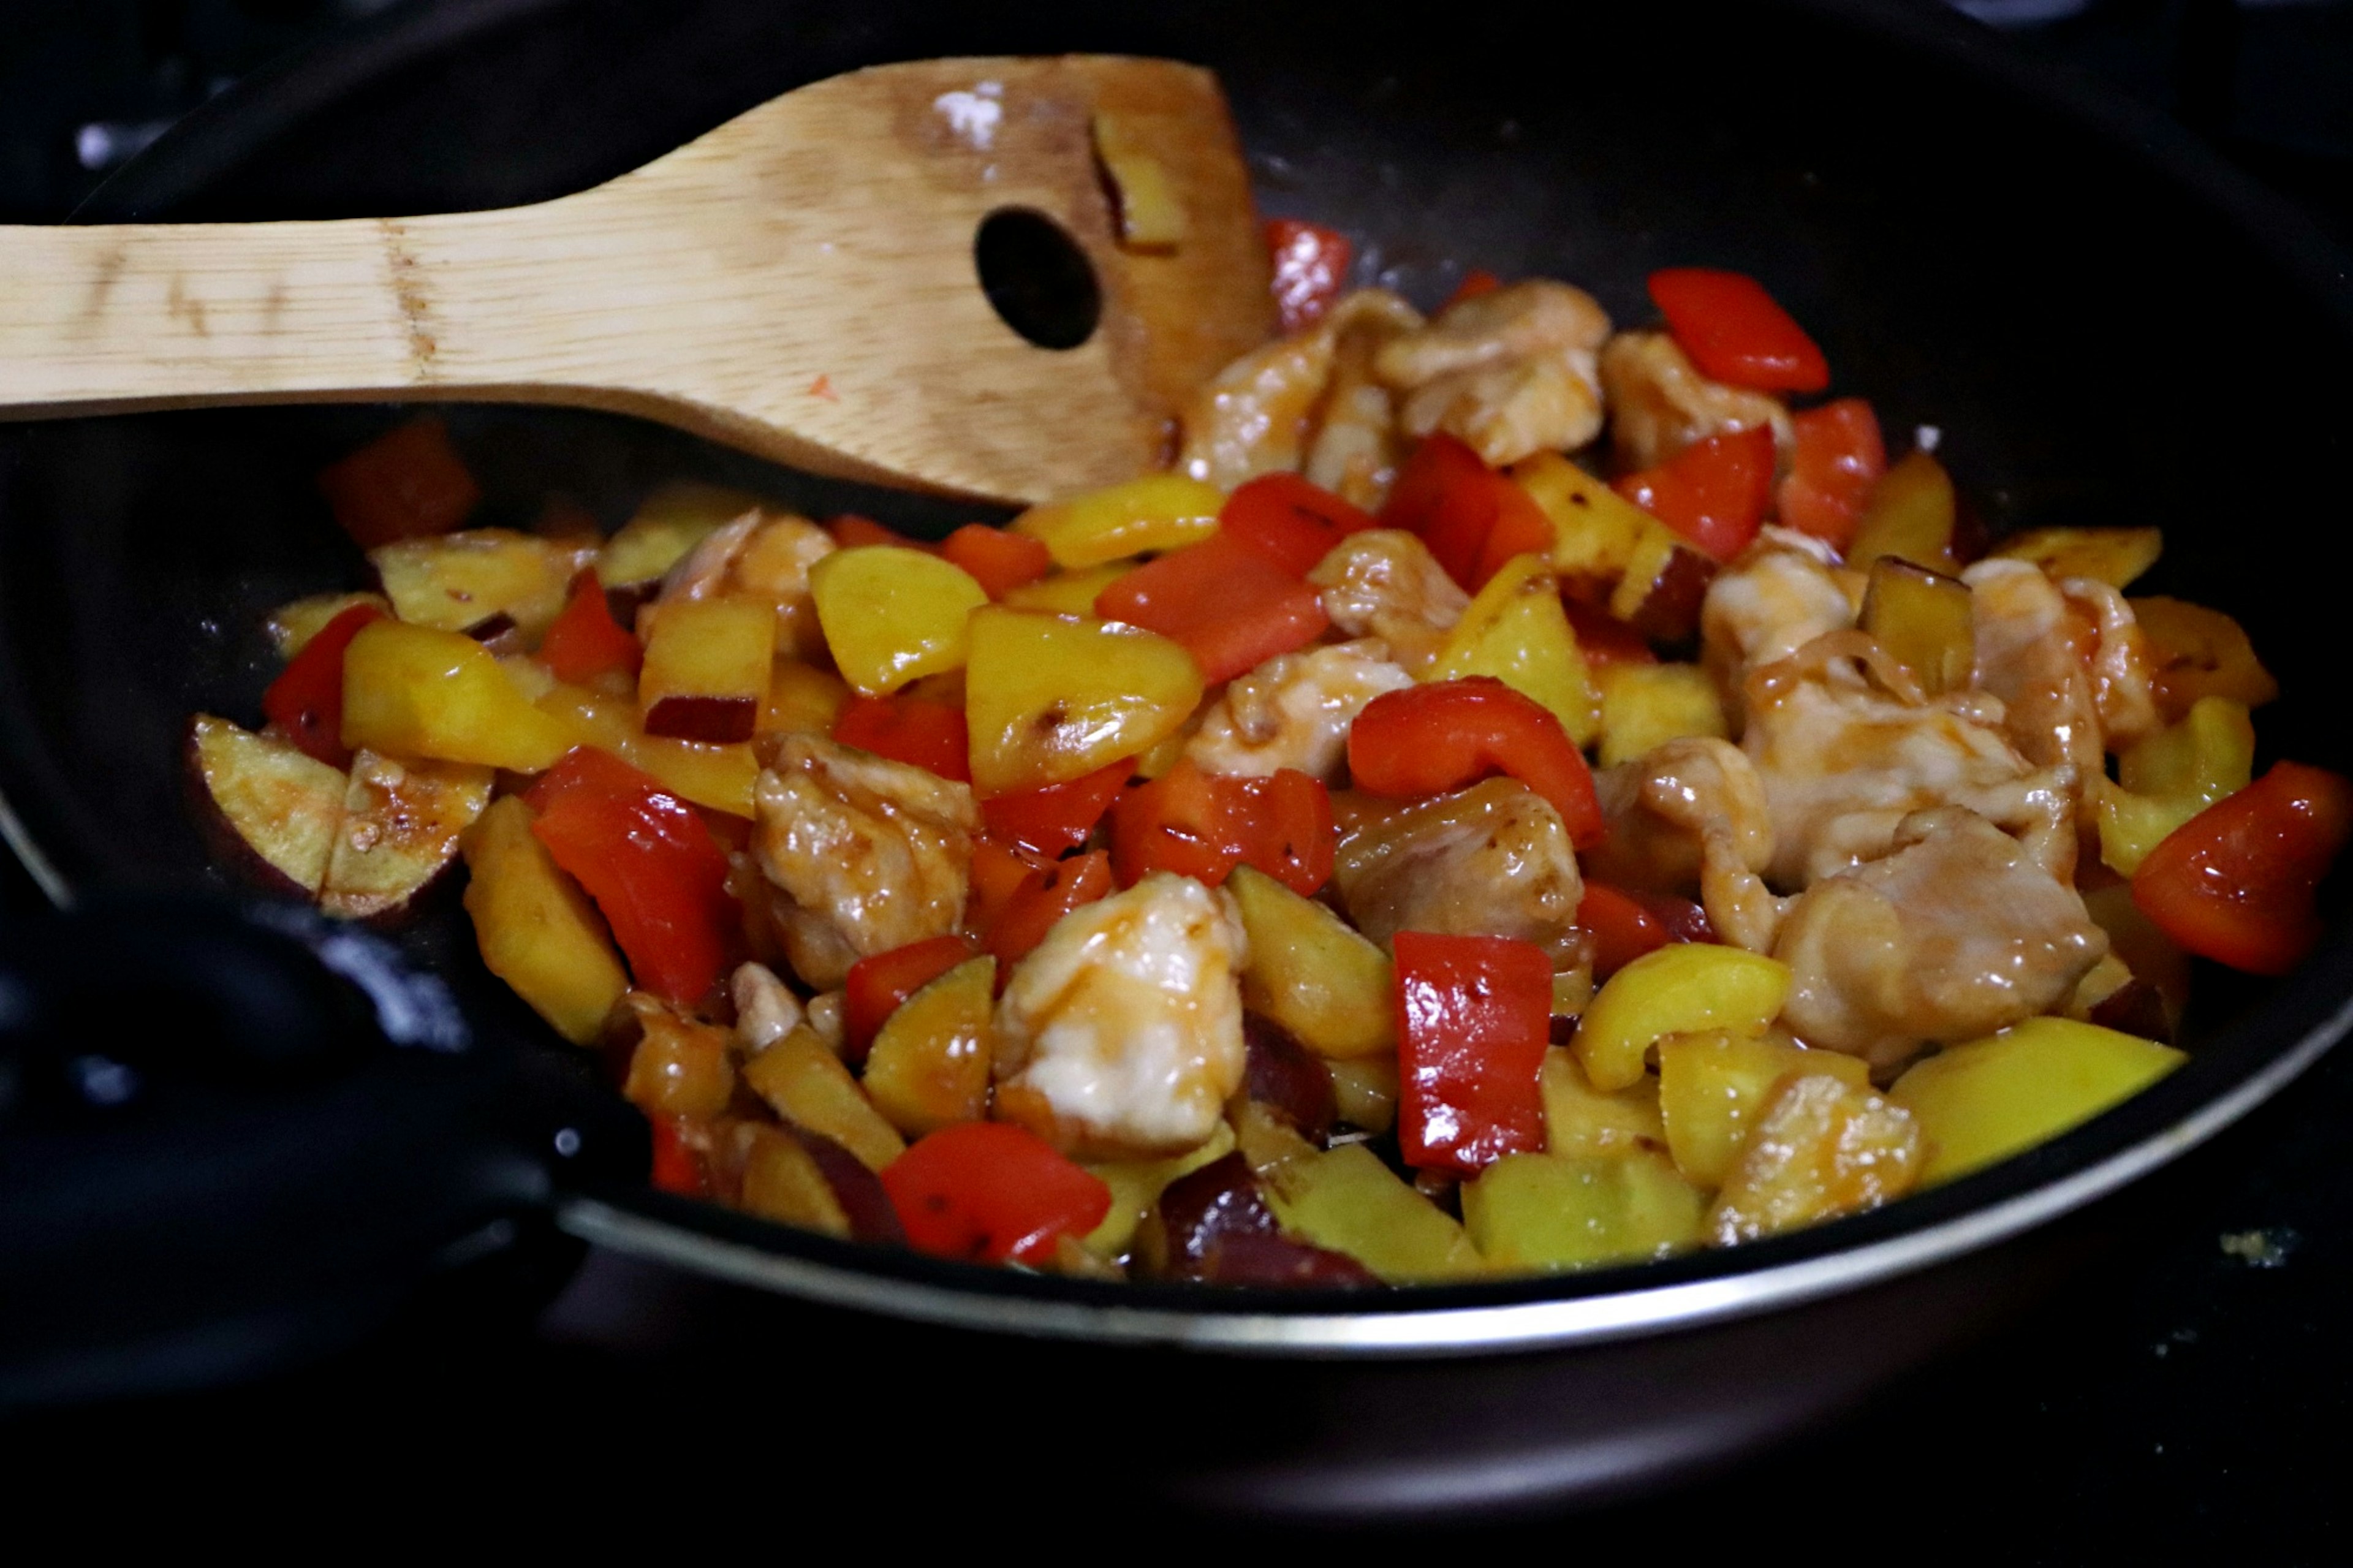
(536,929)
(1136,1186)
(1647,705)
(401,824)
(1712,1085)
(1364,1090)
(460,580)
(929,1063)
(1346,1200)
(1910,516)
(2111,555)
(718,776)
(802,700)
(1515,630)
(278,805)
(667,524)
(2165,779)
(1992,1097)
(1310,972)
(782,1182)
(1820,1148)
(806,1083)
(292,627)
(1582,1123)
(1545,1212)
(892,615)
(1923,618)
(416,691)
(1158,511)
(1679,989)
(1595,529)
(1067,593)
(1049,699)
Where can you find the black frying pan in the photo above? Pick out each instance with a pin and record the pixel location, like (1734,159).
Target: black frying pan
(2107,326)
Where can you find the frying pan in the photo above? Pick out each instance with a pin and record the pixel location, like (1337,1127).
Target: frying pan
(2104,324)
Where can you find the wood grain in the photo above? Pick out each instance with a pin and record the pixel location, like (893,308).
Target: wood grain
(798,282)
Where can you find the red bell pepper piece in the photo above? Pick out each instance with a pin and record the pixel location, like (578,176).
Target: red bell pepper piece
(877,985)
(585,641)
(1203,825)
(1231,607)
(1737,333)
(1310,268)
(850,530)
(908,729)
(1625,924)
(1602,638)
(657,876)
(1056,817)
(997,869)
(1521,528)
(1838,458)
(306,701)
(2235,883)
(1713,492)
(1429,739)
(407,483)
(1474,1016)
(677,1166)
(989,1191)
(1290,522)
(1448,495)
(1476,282)
(1038,901)
(997,560)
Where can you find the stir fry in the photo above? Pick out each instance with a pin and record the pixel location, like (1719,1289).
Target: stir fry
(1518,793)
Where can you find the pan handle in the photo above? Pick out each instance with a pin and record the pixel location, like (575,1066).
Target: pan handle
(236,1138)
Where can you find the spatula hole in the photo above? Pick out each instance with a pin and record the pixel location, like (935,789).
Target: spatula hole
(1037,277)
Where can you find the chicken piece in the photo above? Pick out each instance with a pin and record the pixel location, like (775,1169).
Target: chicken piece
(1260,413)
(1120,1035)
(1489,860)
(765,1011)
(1660,402)
(1384,583)
(763,556)
(2123,665)
(1954,934)
(1844,759)
(1820,1148)
(1293,712)
(1357,448)
(867,854)
(1510,372)
(1666,807)
(1780,594)
(2033,652)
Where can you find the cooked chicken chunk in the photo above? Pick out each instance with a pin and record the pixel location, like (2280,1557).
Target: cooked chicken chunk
(1844,759)
(2032,652)
(1385,584)
(1666,807)
(1489,860)
(761,555)
(867,854)
(765,1011)
(1660,403)
(1780,594)
(1357,446)
(2123,665)
(1953,935)
(1120,1035)
(1510,372)
(1260,413)
(1293,712)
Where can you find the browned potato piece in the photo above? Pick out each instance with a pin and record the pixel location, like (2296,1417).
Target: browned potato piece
(1922,617)
(1913,515)
(399,833)
(271,810)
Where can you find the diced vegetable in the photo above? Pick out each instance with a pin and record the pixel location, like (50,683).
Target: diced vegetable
(292,625)
(463,581)
(1038,900)
(893,615)
(1433,738)
(877,985)
(1595,529)
(1066,593)
(930,1064)
(414,691)
(1312,973)
(1625,924)
(1678,990)
(910,730)
(1136,1187)
(1644,706)
(1056,818)
(1737,333)
(1923,618)
(407,483)
(707,668)
(1158,511)
(400,832)
(1712,1086)
(1581,1122)
(1987,1101)
(680,1066)
(1530,1213)
(645,857)
(2111,555)
(1310,268)
(585,640)
(1837,460)
(1227,605)
(306,701)
(1051,699)
(2201,653)
(1365,1089)
(802,700)
(2165,779)
(277,809)
(1911,516)
(668,523)
(1290,522)
(1346,1200)
(782,1181)
(2236,882)
(1822,1147)
(536,927)
(717,776)
(1446,494)
(989,1191)
(1473,1018)
(998,559)
(1665,582)
(806,1084)
(1713,493)
(1203,825)
(1515,630)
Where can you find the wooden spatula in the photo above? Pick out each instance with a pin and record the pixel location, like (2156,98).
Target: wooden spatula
(802,282)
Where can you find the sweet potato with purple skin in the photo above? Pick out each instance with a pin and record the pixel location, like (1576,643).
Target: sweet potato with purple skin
(268,810)
(1288,1079)
(400,834)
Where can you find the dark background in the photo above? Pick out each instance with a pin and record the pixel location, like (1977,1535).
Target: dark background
(2188,1394)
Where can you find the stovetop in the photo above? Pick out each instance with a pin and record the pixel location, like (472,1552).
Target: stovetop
(2185,1398)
